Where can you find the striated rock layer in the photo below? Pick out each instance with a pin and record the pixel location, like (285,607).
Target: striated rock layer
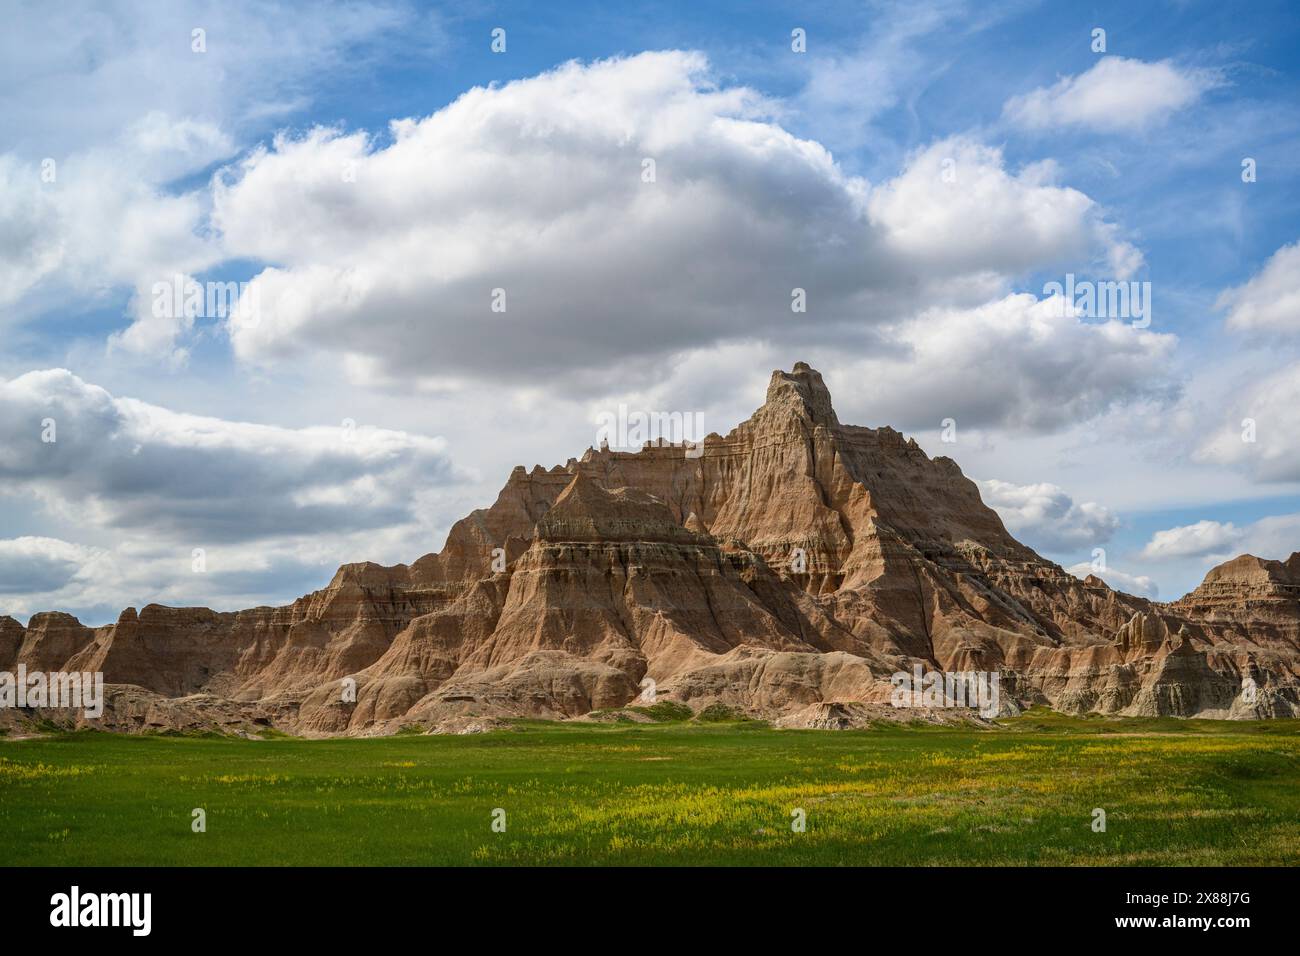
(785,570)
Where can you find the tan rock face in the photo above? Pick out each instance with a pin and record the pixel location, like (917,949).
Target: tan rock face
(786,570)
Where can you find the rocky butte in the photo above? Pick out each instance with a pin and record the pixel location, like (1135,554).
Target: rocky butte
(784,570)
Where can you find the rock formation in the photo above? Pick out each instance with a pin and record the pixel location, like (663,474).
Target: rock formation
(785,570)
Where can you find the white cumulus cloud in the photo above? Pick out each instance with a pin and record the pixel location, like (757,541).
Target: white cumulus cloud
(1269,302)
(1257,431)
(387,253)
(1019,362)
(1193,540)
(1046,517)
(1275,537)
(125,464)
(1115,94)
(957,209)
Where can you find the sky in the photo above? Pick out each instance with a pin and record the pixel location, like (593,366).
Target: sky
(433,242)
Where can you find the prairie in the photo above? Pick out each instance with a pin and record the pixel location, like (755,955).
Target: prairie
(674,792)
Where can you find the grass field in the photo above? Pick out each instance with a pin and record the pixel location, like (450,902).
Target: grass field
(1174,792)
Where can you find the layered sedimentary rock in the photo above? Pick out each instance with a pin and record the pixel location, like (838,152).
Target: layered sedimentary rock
(786,569)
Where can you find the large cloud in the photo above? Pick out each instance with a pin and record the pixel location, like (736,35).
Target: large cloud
(956,210)
(1259,419)
(1019,362)
(38,565)
(91,228)
(1258,431)
(1203,537)
(1269,302)
(106,110)
(1277,536)
(1044,515)
(1115,94)
(73,75)
(387,254)
(124,464)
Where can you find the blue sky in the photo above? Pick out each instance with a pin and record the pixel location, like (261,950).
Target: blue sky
(821,169)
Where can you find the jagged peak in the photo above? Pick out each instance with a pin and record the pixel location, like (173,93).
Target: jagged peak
(605,575)
(802,391)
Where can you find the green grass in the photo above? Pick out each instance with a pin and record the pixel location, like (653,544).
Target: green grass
(666,711)
(1175,793)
